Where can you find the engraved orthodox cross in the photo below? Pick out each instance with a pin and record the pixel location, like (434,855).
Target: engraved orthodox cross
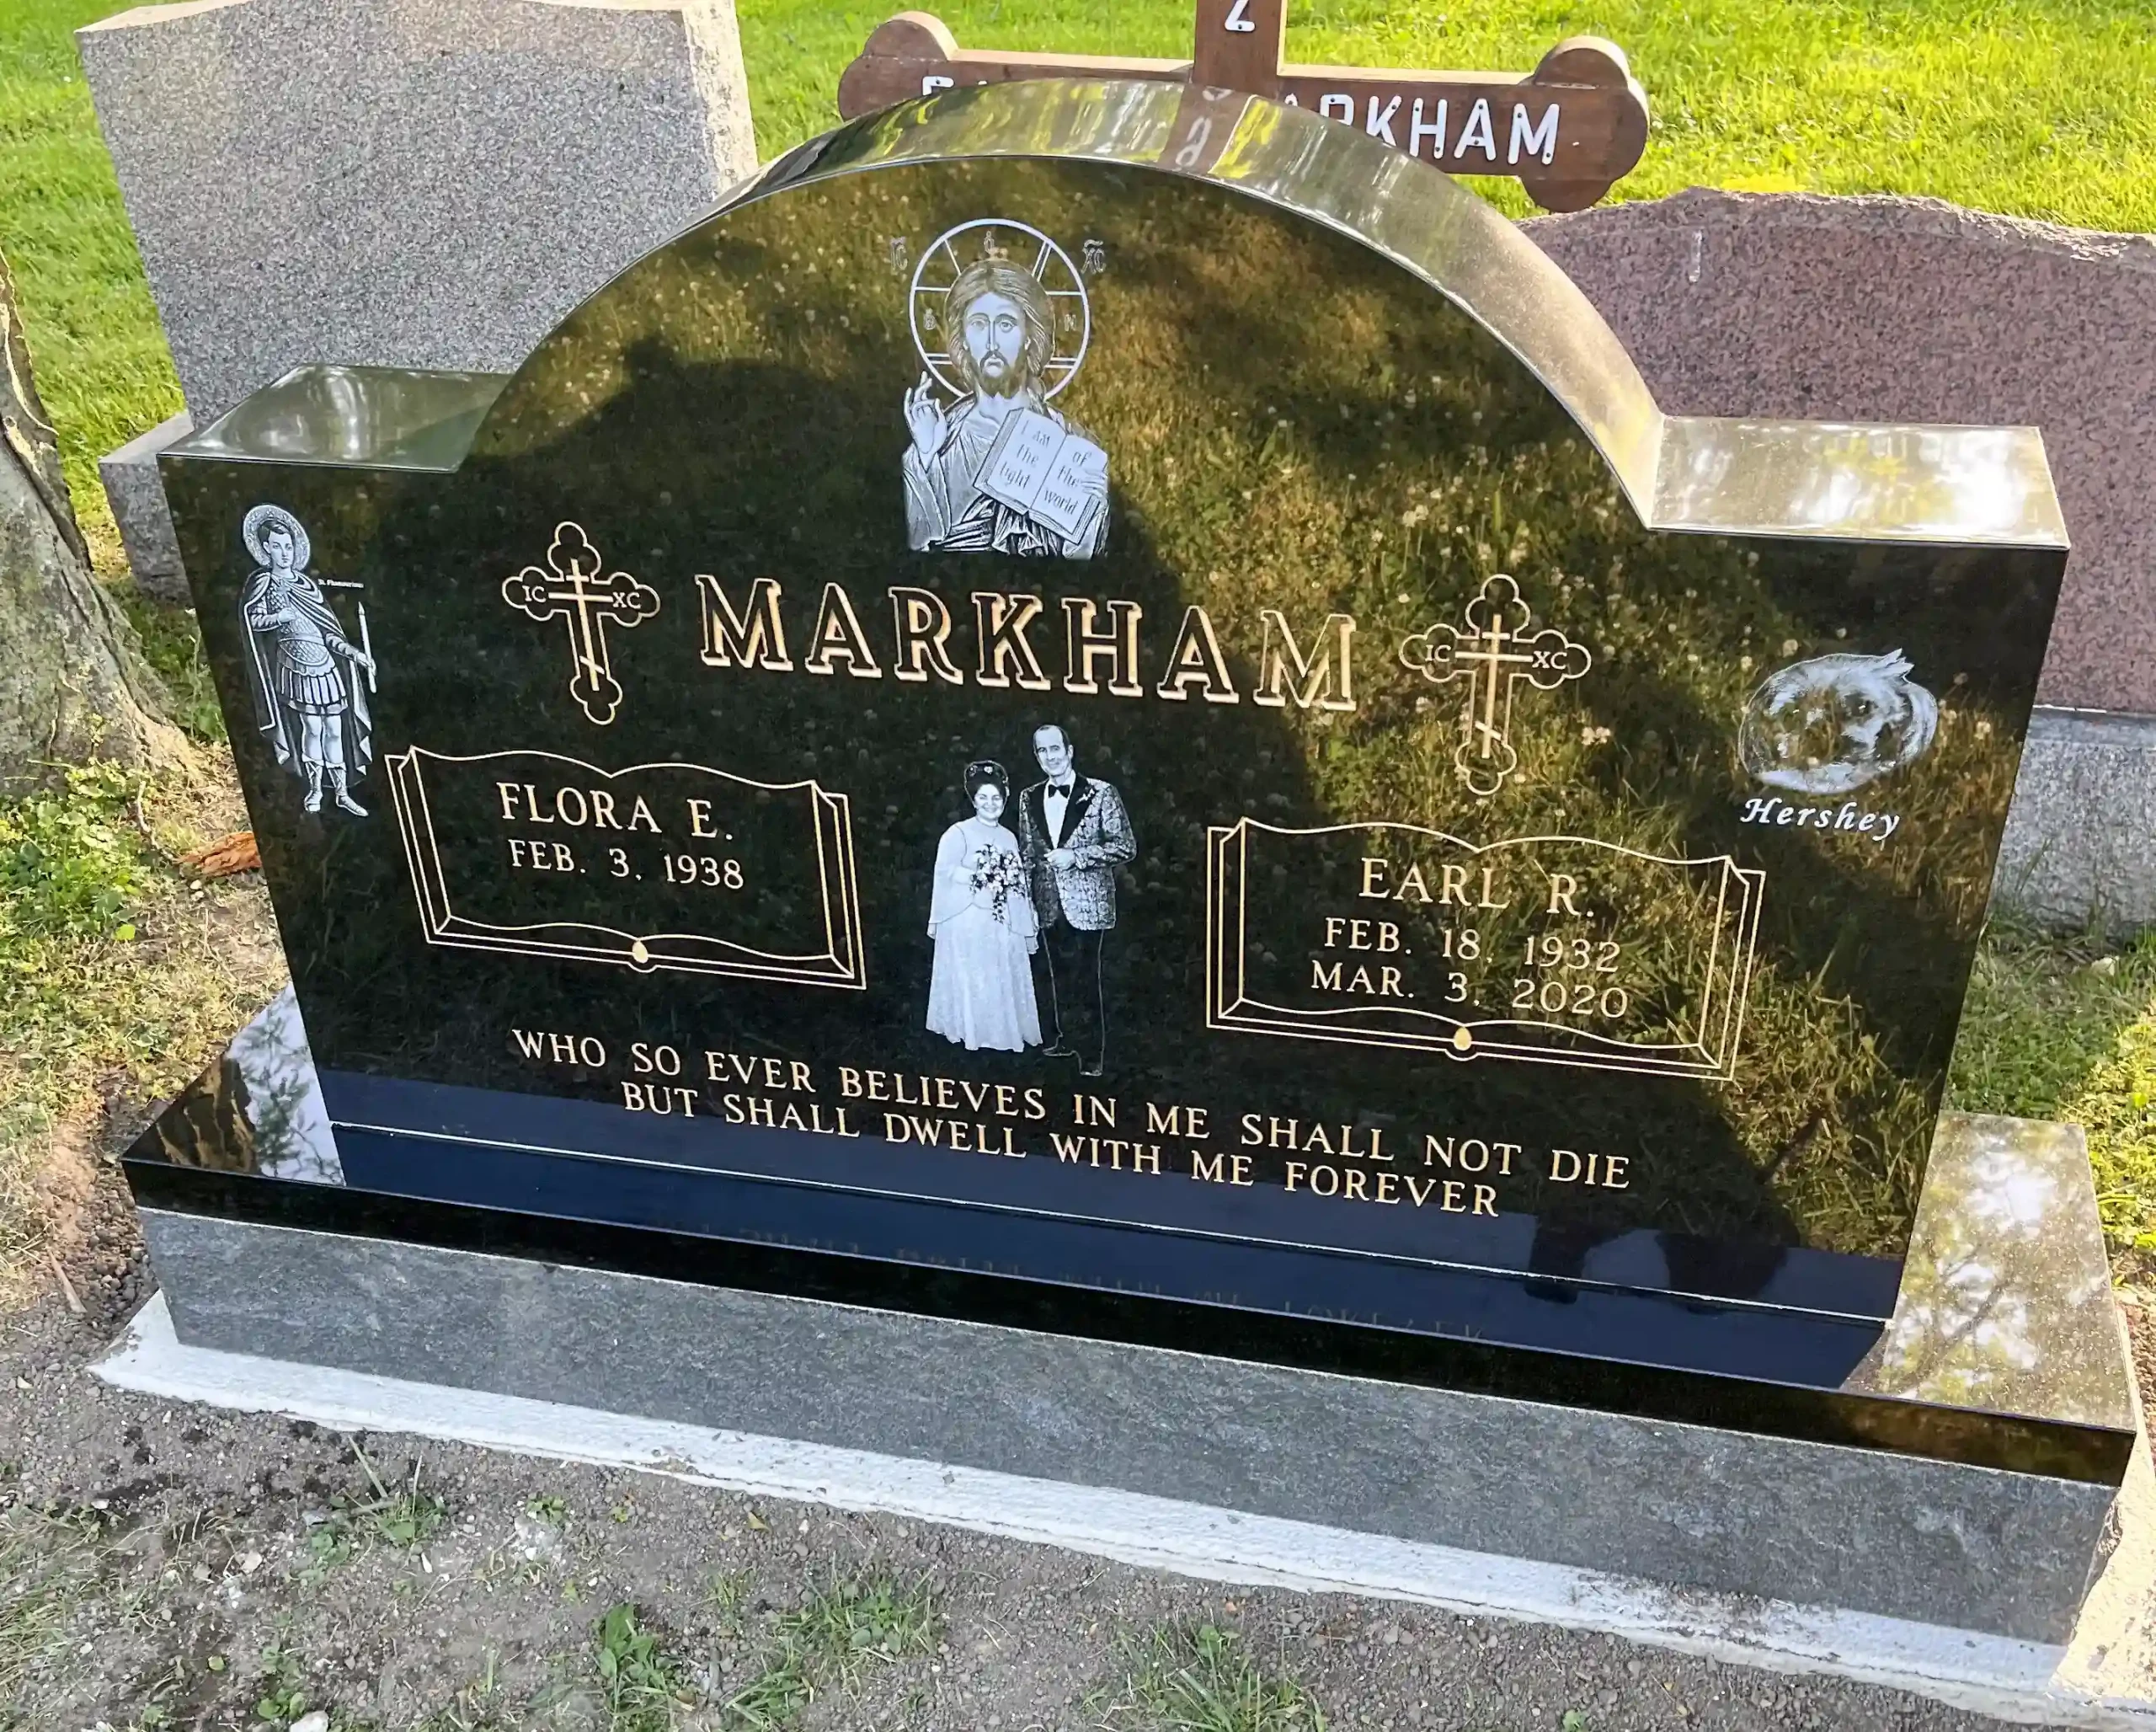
(1498,649)
(571,588)
(1569,131)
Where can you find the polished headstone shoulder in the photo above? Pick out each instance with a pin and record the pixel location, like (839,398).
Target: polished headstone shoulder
(1475,831)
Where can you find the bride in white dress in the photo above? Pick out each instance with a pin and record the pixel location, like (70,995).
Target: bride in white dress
(980,993)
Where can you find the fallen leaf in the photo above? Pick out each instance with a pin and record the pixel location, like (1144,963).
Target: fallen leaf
(226,856)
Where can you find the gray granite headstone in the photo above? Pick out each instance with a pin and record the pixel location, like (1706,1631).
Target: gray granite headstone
(1887,309)
(405,183)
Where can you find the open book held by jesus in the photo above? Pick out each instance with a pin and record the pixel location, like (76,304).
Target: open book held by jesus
(1048,472)
(1025,482)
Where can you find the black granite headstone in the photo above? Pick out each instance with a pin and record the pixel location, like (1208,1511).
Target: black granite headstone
(1125,691)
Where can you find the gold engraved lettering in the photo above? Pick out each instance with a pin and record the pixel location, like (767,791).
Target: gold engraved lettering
(1607,1172)
(838,637)
(1175,1120)
(1196,661)
(1325,678)
(1006,653)
(1086,645)
(555,1048)
(754,638)
(920,624)
(658,1097)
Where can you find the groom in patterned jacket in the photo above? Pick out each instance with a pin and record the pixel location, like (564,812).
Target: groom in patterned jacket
(1074,832)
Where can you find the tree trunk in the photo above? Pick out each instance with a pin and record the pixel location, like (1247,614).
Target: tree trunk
(72,681)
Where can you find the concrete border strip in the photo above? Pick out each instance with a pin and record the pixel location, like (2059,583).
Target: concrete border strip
(2021,1682)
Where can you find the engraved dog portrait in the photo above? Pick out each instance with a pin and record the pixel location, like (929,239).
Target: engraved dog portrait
(1836,722)
(996,469)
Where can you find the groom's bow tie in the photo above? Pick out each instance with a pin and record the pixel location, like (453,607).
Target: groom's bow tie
(1062,787)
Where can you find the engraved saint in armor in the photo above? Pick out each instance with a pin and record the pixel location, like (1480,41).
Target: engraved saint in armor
(311,681)
(998,470)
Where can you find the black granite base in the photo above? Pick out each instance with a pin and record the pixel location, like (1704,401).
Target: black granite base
(1962,1473)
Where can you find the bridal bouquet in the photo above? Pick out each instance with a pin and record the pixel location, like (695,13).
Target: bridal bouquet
(999,871)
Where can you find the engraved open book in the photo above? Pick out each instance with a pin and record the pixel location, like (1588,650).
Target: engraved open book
(1044,471)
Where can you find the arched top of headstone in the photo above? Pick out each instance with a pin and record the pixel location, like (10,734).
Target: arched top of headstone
(1969,485)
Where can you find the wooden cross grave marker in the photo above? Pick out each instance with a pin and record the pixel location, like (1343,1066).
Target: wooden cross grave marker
(1569,131)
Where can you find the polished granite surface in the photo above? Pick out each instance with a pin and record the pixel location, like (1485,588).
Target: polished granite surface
(2005,1349)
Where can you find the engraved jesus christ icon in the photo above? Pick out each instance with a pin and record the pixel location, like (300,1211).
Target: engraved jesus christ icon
(1498,648)
(571,588)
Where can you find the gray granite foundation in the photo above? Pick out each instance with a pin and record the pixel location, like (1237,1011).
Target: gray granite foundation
(1685,1506)
(2079,850)
(138,496)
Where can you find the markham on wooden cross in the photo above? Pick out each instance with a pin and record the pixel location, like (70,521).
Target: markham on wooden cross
(1569,131)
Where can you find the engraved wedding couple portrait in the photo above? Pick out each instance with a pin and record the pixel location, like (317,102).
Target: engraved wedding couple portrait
(1012,909)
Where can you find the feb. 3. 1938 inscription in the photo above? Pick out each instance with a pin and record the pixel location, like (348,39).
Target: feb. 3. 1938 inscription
(1107,670)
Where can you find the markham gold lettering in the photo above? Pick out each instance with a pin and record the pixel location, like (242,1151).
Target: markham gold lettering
(1567,1166)
(920,624)
(1236,1170)
(1002,1098)
(1380,884)
(561,1049)
(757,1110)
(1260,1130)
(976,1139)
(1196,663)
(1086,644)
(781,1075)
(1471,1154)
(1142,1157)
(838,637)
(1006,654)
(658,1097)
(1325,678)
(1176,1121)
(577,808)
(1104,645)
(755,638)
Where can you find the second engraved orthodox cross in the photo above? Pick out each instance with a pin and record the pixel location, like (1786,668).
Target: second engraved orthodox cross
(1498,648)
(571,588)
(1569,131)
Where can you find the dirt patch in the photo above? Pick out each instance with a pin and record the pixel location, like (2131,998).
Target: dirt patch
(162,1560)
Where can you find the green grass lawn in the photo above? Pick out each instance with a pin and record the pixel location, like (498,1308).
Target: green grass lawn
(2035,108)
(2042,108)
